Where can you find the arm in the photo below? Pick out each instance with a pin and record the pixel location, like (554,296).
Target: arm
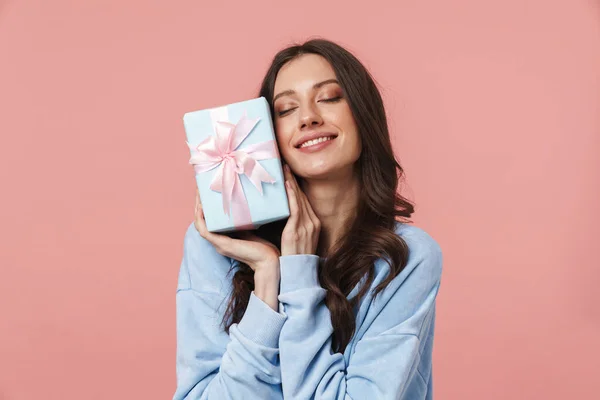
(383,362)
(210,363)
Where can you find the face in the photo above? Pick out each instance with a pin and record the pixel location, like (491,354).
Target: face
(315,129)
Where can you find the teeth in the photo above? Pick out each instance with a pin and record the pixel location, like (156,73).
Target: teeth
(316,141)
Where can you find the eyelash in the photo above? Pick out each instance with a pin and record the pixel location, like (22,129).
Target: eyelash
(330,100)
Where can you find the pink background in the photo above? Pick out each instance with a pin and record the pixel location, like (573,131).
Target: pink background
(495,111)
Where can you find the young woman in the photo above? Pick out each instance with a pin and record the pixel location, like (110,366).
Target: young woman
(337,301)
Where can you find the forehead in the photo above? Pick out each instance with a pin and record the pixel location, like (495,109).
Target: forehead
(303,72)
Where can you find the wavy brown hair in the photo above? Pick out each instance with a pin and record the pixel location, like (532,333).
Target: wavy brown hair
(371,235)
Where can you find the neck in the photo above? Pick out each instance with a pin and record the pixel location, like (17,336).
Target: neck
(335,202)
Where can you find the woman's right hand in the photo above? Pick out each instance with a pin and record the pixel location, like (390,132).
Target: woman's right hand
(259,254)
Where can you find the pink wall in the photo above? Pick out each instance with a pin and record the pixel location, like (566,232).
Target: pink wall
(495,111)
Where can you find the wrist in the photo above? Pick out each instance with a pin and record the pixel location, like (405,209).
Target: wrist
(268,269)
(268,275)
(266,286)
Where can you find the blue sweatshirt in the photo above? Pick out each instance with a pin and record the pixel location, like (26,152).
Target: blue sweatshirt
(287,354)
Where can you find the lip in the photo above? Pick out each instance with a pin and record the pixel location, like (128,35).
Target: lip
(311,136)
(316,147)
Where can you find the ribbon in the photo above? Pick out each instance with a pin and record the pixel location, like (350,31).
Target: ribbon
(221,151)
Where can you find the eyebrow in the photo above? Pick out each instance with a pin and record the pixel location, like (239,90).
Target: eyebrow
(315,86)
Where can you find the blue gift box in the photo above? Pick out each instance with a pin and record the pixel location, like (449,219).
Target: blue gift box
(208,130)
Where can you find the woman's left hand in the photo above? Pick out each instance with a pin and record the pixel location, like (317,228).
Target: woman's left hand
(301,232)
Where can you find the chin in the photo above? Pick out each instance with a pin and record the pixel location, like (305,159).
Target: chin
(322,171)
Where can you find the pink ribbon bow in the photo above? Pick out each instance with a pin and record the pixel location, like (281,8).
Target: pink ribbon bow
(221,151)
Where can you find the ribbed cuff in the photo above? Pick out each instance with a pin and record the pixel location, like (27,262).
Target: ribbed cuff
(261,323)
(298,272)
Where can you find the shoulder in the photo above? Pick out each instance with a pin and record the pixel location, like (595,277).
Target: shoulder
(202,268)
(424,252)
(405,304)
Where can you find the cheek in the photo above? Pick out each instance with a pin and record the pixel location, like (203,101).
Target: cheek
(282,130)
(283,137)
(355,148)
(279,134)
(348,124)
(343,118)
(355,143)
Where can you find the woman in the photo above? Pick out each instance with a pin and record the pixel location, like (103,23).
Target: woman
(337,301)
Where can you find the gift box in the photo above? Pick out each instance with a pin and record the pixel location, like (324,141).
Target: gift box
(237,165)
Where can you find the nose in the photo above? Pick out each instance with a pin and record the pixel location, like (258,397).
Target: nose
(310,118)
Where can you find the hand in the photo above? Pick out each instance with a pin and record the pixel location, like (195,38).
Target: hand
(260,255)
(301,233)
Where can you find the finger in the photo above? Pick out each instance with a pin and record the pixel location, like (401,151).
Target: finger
(304,203)
(306,209)
(299,193)
(293,202)
(294,187)
(198,196)
(311,214)
(219,241)
(291,177)
(199,220)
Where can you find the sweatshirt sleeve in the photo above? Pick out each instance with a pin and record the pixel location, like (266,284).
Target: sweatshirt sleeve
(383,361)
(211,364)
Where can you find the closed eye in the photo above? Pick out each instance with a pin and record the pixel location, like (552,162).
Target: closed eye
(284,112)
(333,99)
(330,100)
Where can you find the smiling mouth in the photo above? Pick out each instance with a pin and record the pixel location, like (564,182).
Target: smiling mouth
(313,142)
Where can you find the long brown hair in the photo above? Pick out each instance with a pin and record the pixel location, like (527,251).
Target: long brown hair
(372,233)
